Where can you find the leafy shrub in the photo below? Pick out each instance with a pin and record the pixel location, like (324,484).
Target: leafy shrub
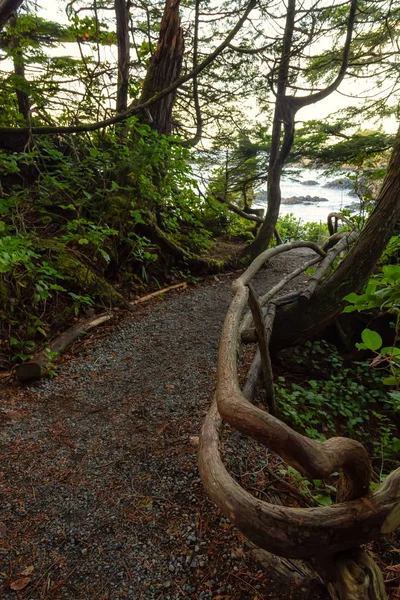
(382,291)
(94,198)
(350,401)
(291,229)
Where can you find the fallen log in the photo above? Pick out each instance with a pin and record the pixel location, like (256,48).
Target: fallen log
(39,366)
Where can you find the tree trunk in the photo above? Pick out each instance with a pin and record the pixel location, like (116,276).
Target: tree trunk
(165,67)
(122,18)
(277,157)
(303,319)
(286,108)
(7,8)
(19,71)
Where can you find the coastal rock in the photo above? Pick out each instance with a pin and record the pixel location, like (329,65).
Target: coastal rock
(342,183)
(303,200)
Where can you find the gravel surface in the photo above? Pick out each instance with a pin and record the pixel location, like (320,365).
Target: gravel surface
(100,490)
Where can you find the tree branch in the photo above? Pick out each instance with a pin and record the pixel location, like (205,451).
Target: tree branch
(134,109)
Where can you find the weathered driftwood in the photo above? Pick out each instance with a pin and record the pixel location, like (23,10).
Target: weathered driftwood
(329,538)
(333,224)
(265,360)
(258,262)
(312,458)
(330,242)
(38,367)
(263,300)
(343,244)
(176,286)
(253,376)
(352,575)
(290,568)
(296,532)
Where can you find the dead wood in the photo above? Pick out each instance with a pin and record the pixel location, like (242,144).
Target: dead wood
(295,532)
(342,244)
(39,366)
(253,376)
(265,360)
(247,320)
(292,569)
(262,258)
(334,240)
(314,459)
(352,575)
(328,537)
(176,286)
(333,225)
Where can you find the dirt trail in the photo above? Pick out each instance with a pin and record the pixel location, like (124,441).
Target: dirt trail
(101,497)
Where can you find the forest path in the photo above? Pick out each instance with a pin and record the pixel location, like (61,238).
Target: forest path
(102,499)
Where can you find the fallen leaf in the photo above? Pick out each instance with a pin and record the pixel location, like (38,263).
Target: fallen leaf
(20,584)
(28,570)
(14,414)
(3,529)
(169,387)
(161,430)
(194,440)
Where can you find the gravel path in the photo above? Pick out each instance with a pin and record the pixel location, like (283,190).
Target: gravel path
(100,490)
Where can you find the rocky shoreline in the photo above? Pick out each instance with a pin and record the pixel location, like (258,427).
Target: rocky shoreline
(304,200)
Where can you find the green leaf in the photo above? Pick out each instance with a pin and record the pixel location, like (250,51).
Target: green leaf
(391,381)
(323,500)
(371,339)
(361,346)
(351,297)
(392,272)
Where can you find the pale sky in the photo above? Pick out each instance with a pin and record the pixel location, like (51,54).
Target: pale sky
(55,10)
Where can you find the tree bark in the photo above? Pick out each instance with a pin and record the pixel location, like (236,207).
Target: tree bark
(8,8)
(122,19)
(286,108)
(276,158)
(301,321)
(165,68)
(19,70)
(134,108)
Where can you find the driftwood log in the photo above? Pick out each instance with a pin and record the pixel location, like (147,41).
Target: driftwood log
(329,539)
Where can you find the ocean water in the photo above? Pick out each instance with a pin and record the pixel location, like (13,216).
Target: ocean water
(317,211)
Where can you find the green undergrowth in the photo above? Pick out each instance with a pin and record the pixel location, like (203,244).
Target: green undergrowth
(322,395)
(79,217)
(292,229)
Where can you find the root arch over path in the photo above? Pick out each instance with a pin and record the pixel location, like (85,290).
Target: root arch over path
(329,539)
